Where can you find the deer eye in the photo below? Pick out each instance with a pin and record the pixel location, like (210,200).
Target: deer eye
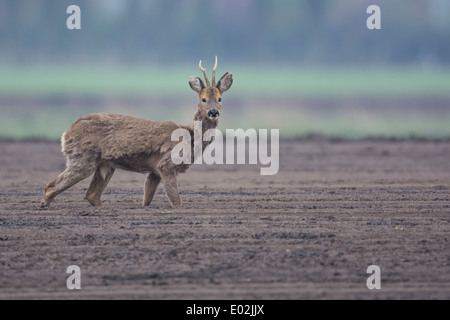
(220,99)
(203,100)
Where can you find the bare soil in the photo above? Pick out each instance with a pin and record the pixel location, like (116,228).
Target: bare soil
(309,232)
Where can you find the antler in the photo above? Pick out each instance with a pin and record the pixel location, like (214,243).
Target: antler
(204,73)
(214,74)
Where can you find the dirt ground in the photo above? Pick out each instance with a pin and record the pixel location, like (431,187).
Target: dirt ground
(309,232)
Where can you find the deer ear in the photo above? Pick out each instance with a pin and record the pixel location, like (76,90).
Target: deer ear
(225,82)
(196,84)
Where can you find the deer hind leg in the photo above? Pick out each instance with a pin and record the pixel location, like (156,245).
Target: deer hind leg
(171,188)
(101,178)
(151,184)
(73,174)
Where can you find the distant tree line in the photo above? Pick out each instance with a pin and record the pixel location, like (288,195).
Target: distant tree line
(163,31)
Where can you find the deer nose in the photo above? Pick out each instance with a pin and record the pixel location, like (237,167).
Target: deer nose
(213,113)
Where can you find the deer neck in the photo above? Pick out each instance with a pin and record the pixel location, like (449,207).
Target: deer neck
(207,123)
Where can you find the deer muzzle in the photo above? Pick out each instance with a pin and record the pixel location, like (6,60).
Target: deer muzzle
(213,114)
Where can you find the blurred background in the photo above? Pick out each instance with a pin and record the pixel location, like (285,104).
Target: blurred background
(301,66)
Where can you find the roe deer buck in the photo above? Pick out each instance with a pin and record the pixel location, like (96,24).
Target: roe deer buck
(99,143)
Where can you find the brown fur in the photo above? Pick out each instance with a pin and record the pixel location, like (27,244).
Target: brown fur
(100,143)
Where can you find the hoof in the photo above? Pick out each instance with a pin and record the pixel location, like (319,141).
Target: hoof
(95,202)
(45,203)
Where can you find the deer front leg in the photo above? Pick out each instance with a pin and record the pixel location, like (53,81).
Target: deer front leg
(151,184)
(170,186)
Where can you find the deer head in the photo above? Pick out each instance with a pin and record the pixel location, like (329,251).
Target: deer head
(210,96)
